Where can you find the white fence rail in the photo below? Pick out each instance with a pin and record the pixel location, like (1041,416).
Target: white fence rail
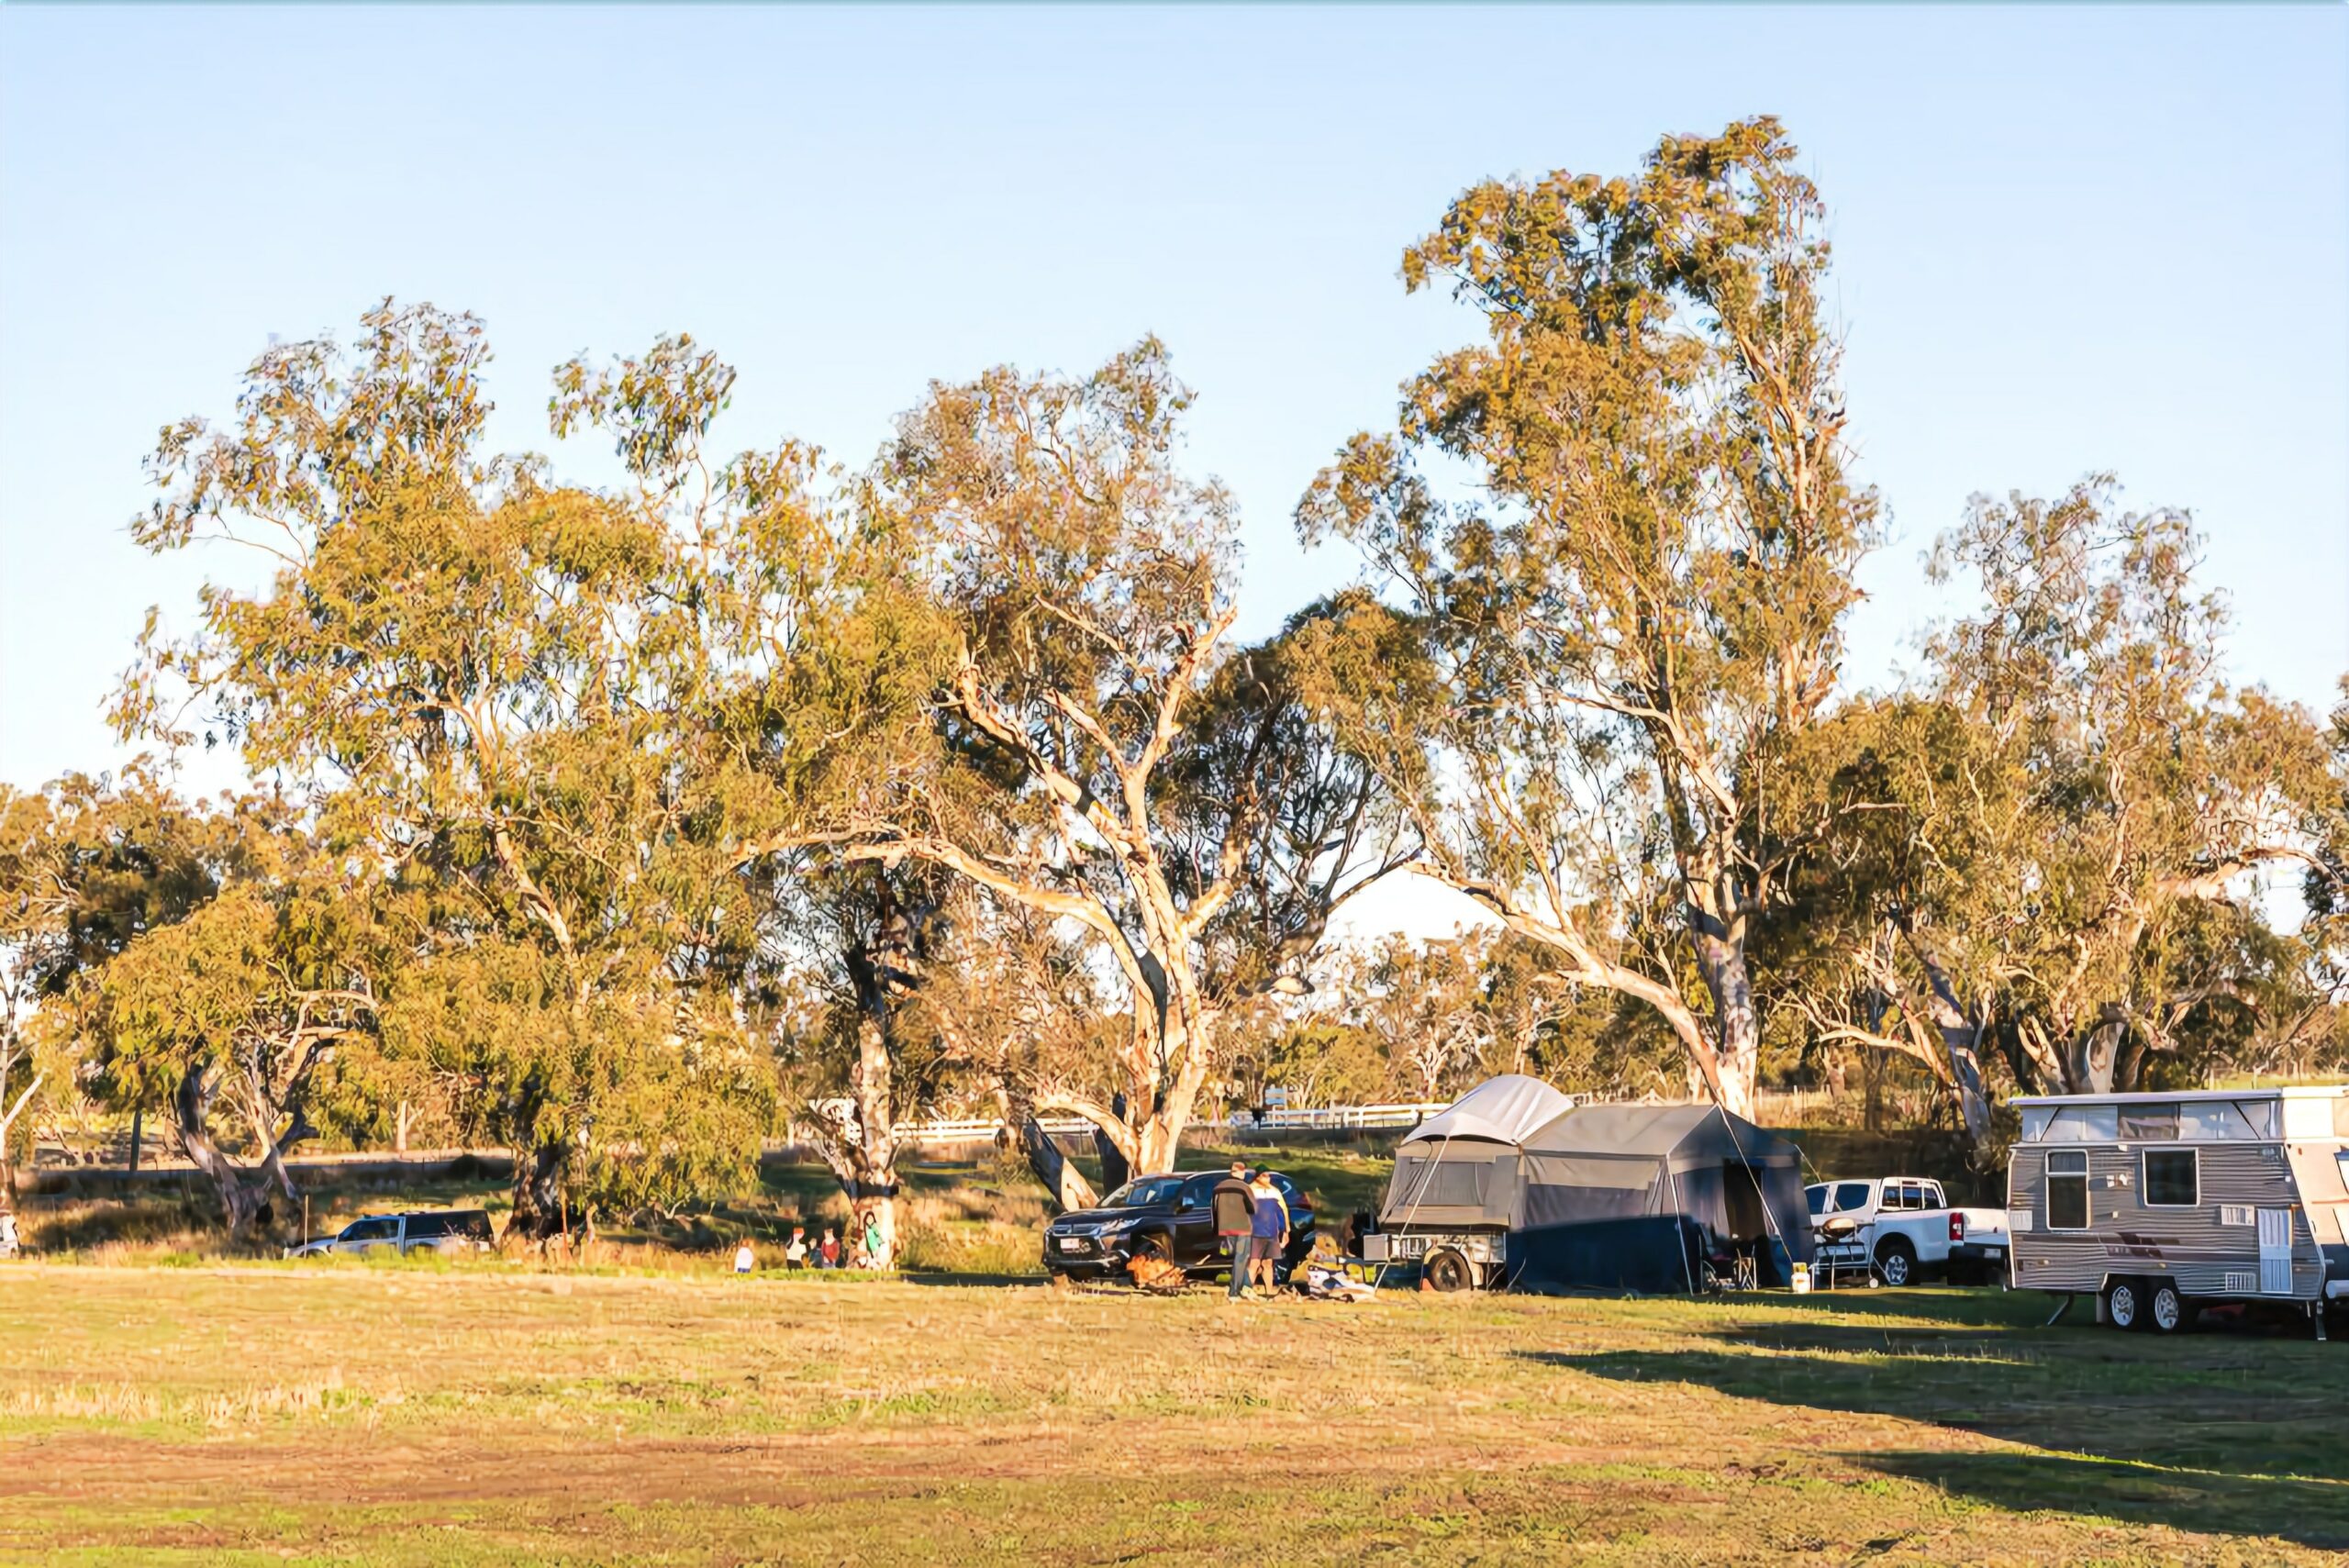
(1275,1119)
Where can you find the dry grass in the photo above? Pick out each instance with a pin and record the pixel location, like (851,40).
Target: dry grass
(491,1414)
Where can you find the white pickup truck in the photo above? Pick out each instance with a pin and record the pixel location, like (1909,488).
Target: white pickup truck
(1904,1229)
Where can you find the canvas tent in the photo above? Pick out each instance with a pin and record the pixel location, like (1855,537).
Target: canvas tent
(1611,1197)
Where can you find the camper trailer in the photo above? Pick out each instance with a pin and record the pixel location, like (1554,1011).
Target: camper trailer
(2161,1205)
(1516,1186)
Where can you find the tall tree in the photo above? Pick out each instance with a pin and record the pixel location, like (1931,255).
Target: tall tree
(484,677)
(2152,793)
(1630,633)
(2067,825)
(1086,582)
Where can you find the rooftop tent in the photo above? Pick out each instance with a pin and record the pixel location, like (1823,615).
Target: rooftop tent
(1503,1110)
(1459,1167)
(1624,1198)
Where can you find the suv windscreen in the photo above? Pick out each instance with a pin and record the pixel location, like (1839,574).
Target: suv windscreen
(1143,1192)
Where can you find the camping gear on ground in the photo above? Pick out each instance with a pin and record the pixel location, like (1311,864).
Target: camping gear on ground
(1516,1184)
(2161,1205)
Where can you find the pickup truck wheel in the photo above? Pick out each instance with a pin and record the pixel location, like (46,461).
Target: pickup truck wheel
(2166,1310)
(2124,1304)
(1895,1260)
(1446,1269)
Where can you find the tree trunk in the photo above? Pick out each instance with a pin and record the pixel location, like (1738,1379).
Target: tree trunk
(1065,1187)
(137,1127)
(1737,1034)
(2095,1052)
(1115,1170)
(240,1200)
(538,1198)
(1961,1041)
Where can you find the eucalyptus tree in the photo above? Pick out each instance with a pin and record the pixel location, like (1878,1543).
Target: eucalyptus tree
(484,677)
(240,1006)
(2143,798)
(2067,822)
(90,866)
(1102,759)
(1620,642)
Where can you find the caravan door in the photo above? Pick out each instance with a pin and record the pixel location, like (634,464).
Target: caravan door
(2275,1252)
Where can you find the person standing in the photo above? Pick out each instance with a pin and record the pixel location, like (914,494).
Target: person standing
(744,1259)
(828,1251)
(794,1253)
(1268,1228)
(1233,1207)
(876,1256)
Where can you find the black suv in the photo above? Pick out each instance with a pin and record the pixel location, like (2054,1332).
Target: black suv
(1173,1216)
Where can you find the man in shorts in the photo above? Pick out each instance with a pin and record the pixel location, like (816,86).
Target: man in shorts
(1268,1230)
(1233,1205)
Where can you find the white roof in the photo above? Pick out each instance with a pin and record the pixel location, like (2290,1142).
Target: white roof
(1507,1109)
(2178,1097)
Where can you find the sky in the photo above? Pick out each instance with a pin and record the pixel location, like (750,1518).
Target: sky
(2067,240)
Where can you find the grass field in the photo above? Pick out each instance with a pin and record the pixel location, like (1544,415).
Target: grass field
(411,1414)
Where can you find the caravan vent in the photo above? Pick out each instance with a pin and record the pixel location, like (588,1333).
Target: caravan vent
(2238,1284)
(2017,1219)
(2235,1214)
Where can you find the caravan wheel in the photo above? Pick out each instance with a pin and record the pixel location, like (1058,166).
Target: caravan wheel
(2167,1310)
(1446,1269)
(2124,1305)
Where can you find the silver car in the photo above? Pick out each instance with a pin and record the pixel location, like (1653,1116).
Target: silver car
(445,1231)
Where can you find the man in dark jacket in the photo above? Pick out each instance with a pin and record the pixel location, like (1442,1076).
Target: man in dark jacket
(1234,1207)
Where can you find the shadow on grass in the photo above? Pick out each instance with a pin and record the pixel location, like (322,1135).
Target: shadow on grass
(2308,1513)
(2203,1432)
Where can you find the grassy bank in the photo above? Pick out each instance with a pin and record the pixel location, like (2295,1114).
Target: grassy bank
(967,1211)
(403,1415)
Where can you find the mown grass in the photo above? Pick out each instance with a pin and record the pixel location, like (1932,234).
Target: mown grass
(488,1414)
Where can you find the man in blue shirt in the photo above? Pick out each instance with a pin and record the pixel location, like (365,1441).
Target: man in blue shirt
(1268,1229)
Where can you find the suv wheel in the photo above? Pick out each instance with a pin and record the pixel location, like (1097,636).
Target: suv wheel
(1897,1262)
(2124,1304)
(1446,1269)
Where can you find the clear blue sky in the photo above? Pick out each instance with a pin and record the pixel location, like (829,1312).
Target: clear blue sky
(2067,240)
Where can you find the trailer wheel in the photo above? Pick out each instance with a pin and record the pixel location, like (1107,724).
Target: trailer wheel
(1446,1269)
(2124,1304)
(2166,1309)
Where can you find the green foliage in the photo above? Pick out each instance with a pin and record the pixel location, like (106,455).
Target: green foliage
(1630,635)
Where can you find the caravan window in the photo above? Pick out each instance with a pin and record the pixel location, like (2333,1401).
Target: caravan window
(2067,1190)
(2085,1123)
(2173,1178)
(2149,1124)
(2214,1120)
